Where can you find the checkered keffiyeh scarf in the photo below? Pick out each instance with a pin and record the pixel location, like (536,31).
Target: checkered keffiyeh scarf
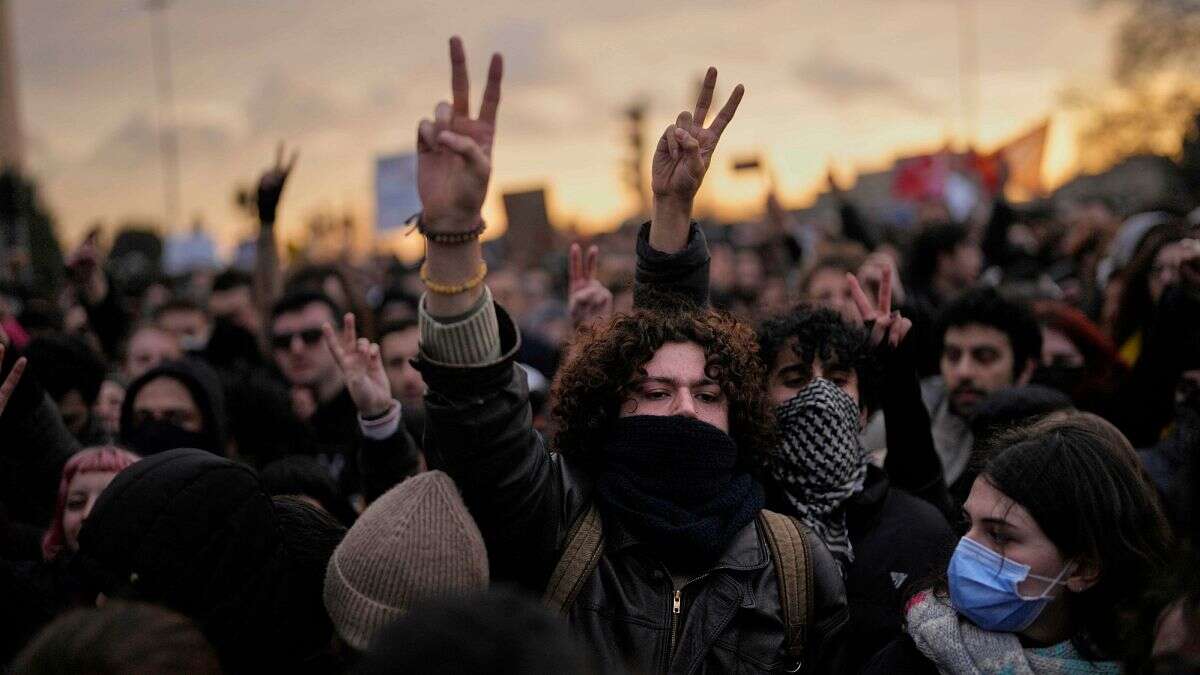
(820,463)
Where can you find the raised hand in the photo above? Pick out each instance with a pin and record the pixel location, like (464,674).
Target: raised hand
(270,185)
(362,368)
(84,268)
(870,274)
(883,322)
(10,383)
(454,151)
(686,147)
(588,299)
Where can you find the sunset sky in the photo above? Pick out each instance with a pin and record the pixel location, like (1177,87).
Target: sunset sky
(854,81)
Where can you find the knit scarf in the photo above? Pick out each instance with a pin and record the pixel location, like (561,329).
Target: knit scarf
(820,464)
(957,646)
(675,483)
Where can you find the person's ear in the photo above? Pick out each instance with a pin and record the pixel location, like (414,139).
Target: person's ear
(863,415)
(1086,575)
(1026,373)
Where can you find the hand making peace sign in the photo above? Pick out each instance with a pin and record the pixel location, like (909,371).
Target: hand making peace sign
(9,385)
(454,151)
(588,299)
(362,368)
(881,320)
(686,147)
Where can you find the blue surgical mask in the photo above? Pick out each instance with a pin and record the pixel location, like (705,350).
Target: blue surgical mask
(983,588)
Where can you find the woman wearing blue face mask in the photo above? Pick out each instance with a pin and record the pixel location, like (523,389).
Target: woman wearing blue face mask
(1064,538)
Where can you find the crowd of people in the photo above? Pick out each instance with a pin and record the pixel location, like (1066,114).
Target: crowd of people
(965,447)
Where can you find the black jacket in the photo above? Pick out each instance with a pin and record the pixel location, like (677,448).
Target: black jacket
(897,540)
(34,445)
(198,534)
(359,464)
(34,592)
(900,656)
(525,500)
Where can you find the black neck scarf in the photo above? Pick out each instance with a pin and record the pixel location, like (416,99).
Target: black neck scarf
(675,483)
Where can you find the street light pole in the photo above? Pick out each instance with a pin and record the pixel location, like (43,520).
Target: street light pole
(168,140)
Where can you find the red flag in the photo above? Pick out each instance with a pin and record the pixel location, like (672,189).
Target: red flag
(920,178)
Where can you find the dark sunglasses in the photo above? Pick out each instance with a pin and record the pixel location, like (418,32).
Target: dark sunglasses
(309,336)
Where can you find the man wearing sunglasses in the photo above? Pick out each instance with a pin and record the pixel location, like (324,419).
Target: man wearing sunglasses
(354,425)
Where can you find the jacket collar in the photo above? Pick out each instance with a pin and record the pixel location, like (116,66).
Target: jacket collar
(746,551)
(863,508)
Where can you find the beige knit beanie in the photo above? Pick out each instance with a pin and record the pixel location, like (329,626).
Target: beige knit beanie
(416,542)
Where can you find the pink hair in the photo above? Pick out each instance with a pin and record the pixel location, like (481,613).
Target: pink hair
(101,459)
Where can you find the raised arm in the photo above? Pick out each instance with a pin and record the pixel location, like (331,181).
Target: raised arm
(387,454)
(266,258)
(108,319)
(672,254)
(912,463)
(588,300)
(478,418)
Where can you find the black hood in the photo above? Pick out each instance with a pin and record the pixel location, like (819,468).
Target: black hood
(205,387)
(198,534)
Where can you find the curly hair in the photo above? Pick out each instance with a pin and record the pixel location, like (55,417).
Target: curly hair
(811,333)
(591,387)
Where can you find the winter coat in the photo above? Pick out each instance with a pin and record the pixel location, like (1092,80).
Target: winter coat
(198,534)
(34,445)
(897,540)
(526,499)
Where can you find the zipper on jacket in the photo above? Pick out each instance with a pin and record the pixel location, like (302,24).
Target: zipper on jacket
(676,607)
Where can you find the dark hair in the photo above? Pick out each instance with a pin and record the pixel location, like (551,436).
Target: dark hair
(822,333)
(587,396)
(309,536)
(1002,412)
(231,279)
(1080,480)
(1136,308)
(296,301)
(313,277)
(499,631)
(932,242)
(65,363)
(396,327)
(121,637)
(178,304)
(301,475)
(986,307)
(1005,409)
(400,296)
(839,262)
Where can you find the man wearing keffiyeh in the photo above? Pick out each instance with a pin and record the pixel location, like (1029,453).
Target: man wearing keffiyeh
(825,377)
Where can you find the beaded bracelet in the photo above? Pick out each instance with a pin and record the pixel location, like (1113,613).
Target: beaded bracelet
(450,237)
(447,289)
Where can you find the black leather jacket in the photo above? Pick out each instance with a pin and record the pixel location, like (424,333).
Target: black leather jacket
(525,500)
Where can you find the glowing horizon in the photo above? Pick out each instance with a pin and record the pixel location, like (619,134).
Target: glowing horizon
(822,85)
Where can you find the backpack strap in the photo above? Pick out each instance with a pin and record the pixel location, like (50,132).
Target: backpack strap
(585,544)
(789,544)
